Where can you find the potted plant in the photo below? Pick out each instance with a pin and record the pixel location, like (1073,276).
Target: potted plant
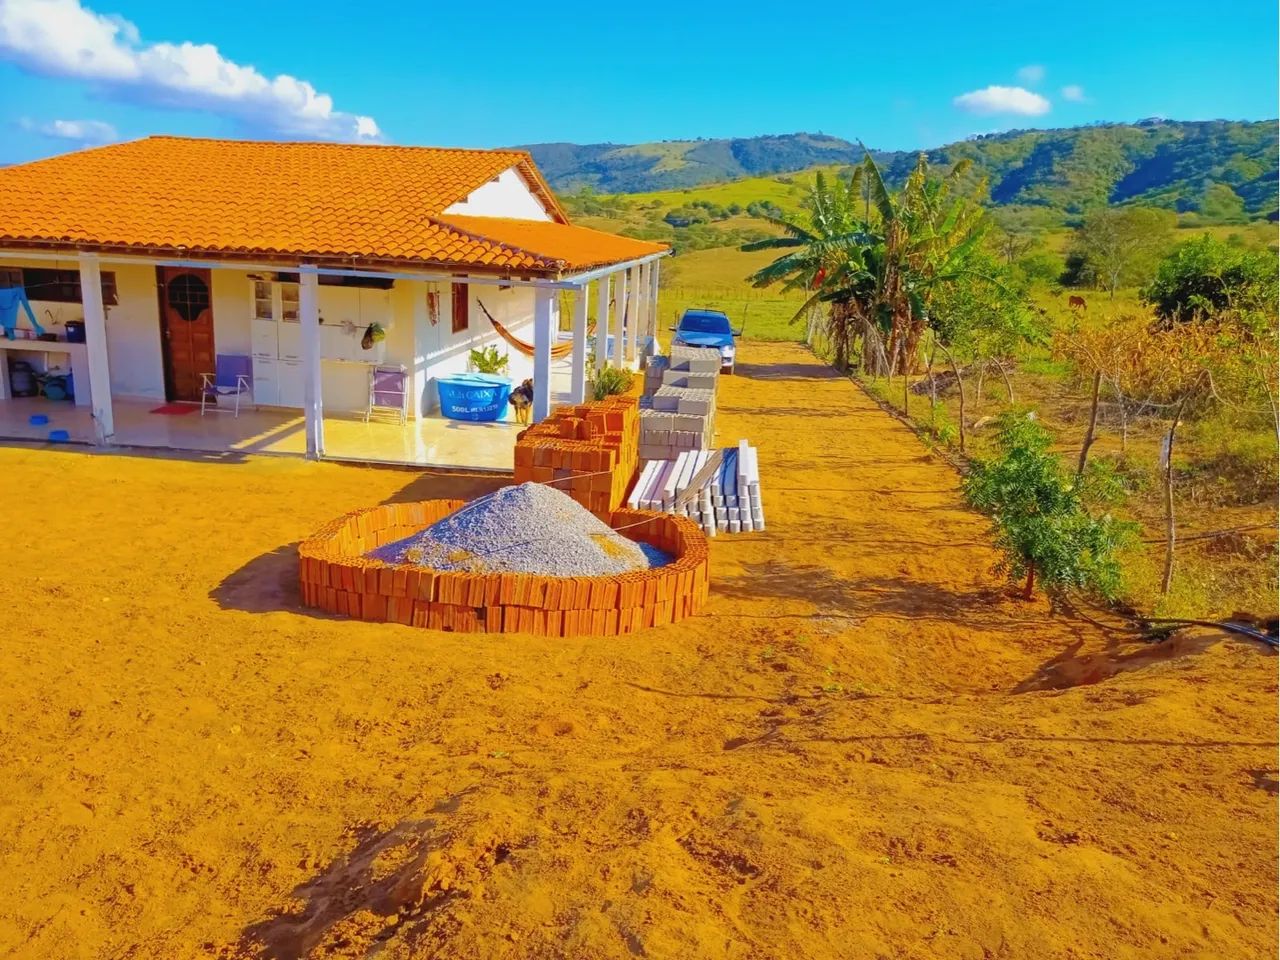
(488,360)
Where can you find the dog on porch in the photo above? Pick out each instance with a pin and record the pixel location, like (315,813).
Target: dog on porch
(521,401)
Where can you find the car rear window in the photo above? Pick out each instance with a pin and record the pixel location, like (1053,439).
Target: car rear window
(705,323)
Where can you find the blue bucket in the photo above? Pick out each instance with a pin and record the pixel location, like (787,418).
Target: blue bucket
(479,397)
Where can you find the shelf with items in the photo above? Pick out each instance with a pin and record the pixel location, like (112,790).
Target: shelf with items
(288,302)
(346,314)
(262,296)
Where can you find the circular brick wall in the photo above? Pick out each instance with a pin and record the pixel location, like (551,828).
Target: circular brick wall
(337,576)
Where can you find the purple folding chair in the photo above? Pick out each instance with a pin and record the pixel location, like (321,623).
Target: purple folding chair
(232,376)
(388,387)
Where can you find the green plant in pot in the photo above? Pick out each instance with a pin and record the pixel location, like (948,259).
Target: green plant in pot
(489,360)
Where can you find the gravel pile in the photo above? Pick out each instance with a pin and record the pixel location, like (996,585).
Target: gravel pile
(528,528)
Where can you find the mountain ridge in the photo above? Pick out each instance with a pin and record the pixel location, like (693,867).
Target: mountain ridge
(1221,168)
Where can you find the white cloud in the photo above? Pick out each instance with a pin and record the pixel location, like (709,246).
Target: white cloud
(64,39)
(997,99)
(1074,92)
(1031,74)
(82,131)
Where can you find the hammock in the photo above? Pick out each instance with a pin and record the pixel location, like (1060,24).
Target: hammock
(558,352)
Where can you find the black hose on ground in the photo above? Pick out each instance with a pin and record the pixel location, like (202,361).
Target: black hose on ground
(1162,626)
(1268,637)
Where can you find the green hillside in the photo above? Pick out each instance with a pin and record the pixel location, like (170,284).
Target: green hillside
(673,164)
(1218,171)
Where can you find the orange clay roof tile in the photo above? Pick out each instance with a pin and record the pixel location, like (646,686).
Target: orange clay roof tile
(575,248)
(306,200)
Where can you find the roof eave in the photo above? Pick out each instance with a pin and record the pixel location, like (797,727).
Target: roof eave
(257,258)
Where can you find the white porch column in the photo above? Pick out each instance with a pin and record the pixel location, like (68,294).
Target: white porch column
(633,311)
(620,315)
(654,318)
(602,321)
(95,341)
(578,357)
(313,400)
(642,307)
(546,308)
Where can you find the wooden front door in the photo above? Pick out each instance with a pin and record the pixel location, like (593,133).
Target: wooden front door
(186,329)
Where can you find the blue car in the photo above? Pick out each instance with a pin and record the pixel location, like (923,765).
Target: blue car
(708,328)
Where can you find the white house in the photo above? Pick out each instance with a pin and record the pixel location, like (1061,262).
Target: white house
(171,251)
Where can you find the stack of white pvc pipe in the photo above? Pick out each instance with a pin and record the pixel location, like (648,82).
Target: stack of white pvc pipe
(720,489)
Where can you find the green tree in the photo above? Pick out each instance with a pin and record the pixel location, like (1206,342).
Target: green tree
(1039,266)
(984,320)
(1205,277)
(1120,245)
(1040,518)
(1221,204)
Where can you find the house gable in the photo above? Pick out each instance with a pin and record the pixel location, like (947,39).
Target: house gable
(506,195)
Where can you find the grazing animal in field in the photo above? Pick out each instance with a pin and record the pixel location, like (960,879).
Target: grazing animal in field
(521,401)
(1077,303)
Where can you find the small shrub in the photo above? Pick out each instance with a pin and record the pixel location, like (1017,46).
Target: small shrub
(1040,519)
(610,381)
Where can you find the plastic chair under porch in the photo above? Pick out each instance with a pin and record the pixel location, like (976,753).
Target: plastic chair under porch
(388,389)
(232,376)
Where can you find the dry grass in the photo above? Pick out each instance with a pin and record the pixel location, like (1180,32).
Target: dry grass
(1225,479)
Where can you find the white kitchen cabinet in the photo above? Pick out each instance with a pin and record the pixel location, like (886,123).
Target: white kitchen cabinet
(264,339)
(289,340)
(276,339)
(292,390)
(266,385)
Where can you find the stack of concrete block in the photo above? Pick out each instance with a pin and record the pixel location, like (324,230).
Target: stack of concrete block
(719,489)
(678,410)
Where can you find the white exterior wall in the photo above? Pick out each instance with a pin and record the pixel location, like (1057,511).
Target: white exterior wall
(428,351)
(133,326)
(507,195)
(231,333)
(447,352)
(133,333)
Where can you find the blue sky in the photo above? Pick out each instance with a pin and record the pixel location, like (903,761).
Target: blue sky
(78,72)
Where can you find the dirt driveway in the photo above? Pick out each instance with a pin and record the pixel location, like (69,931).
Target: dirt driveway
(867,748)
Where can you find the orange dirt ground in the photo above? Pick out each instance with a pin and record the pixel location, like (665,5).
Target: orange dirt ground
(867,748)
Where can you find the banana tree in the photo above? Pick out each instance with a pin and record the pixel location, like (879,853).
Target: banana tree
(826,247)
(878,258)
(931,236)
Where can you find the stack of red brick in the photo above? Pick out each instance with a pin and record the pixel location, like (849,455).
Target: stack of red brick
(338,577)
(589,451)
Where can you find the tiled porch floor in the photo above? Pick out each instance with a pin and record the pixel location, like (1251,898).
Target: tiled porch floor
(433,441)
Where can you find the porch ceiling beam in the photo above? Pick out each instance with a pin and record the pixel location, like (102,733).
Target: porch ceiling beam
(569,282)
(594,274)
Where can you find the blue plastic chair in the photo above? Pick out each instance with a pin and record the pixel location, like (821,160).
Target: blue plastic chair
(232,376)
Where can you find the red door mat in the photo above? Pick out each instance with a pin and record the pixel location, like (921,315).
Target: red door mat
(176,409)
